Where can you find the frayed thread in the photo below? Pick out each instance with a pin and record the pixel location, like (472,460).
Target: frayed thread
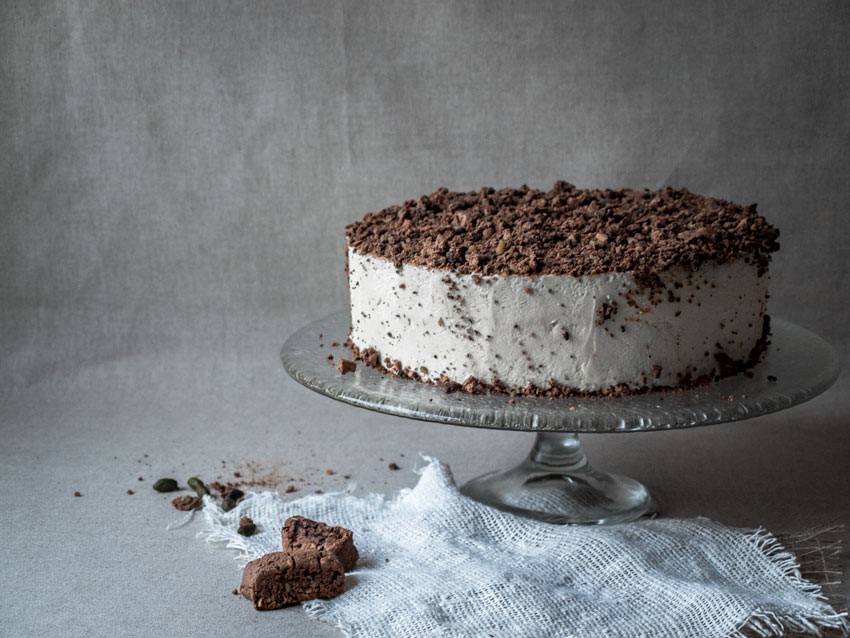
(318,610)
(183,522)
(772,549)
(768,624)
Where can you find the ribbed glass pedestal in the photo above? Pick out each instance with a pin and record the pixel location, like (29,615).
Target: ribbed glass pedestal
(556,484)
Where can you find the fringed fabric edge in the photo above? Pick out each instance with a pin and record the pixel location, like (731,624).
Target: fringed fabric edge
(769,624)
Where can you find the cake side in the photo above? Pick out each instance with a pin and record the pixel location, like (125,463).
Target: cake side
(588,333)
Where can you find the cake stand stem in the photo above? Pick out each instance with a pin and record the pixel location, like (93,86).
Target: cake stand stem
(556,484)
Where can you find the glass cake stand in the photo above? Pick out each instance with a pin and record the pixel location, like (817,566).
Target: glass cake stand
(555,483)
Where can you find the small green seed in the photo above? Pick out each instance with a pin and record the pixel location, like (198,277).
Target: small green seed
(165,485)
(228,504)
(246,526)
(198,485)
(232,498)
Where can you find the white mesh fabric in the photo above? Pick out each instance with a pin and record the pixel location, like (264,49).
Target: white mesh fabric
(435,563)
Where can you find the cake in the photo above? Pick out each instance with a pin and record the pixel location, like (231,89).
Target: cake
(563,292)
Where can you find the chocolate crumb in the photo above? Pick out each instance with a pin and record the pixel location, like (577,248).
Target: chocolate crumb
(78,494)
(130,492)
(605,311)
(186,503)
(345,366)
(393,466)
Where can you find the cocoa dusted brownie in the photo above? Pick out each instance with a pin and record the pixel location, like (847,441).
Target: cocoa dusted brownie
(280,579)
(301,533)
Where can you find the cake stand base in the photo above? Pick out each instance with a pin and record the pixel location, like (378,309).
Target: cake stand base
(557,485)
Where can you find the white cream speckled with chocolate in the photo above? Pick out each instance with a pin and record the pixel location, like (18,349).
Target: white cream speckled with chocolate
(587,333)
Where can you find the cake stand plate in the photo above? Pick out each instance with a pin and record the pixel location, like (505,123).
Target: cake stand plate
(555,482)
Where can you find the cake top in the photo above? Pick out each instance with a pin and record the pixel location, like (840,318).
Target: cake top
(566,231)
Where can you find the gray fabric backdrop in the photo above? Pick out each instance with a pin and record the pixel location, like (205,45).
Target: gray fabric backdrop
(175,178)
(172,170)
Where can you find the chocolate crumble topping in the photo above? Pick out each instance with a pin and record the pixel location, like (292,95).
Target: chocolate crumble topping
(565,231)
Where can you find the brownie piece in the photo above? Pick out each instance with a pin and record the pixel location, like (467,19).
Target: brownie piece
(301,533)
(280,579)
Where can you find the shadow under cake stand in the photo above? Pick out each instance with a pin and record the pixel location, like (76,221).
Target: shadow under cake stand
(555,482)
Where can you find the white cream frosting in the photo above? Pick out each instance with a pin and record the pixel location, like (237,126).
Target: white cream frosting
(521,330)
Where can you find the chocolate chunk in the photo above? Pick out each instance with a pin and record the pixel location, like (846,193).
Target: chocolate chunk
(605,311)
(344,366)
(368,356)
(301,533)
(280,579)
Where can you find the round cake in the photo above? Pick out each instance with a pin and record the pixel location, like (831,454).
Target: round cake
(563,292)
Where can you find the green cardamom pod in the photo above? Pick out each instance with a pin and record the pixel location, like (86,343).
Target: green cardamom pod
(228,504)
(165,485)
(198,485)
(246,526)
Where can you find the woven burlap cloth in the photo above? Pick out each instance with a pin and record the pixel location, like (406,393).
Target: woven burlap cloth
(435,563)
